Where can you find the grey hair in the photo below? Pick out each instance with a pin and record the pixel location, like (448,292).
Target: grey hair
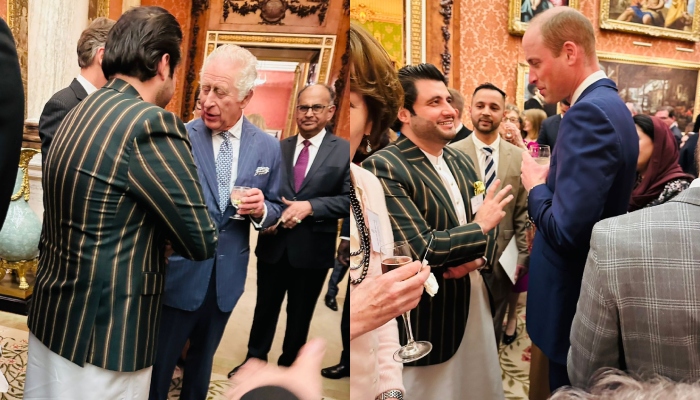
(637,109)
(613,384)
(242,61)
(91,39)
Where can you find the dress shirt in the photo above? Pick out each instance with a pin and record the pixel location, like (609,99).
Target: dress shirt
(313,148)
(482,156)
(450,183)
(592,78)
(694,184)
(459,127)
(234,135)
(89,87)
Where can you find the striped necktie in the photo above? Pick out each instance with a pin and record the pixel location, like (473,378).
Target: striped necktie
(490,170)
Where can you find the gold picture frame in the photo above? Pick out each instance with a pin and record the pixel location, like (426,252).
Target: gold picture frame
(648,82)
(655,82)
(519,21)
(683,27)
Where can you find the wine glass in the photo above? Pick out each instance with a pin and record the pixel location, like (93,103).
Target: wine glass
(541,154)
(237,193)
(395,255)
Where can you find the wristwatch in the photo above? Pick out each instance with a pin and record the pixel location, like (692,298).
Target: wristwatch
(390,394)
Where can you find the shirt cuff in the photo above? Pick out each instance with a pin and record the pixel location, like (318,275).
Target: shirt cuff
(345,238)
(259,225)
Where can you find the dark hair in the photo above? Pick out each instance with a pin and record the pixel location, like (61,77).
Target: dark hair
(331,92)
(138,41)
(671,111)
(92,38)
(645,123)
(408,76)
(531,88)
(489,86)
(566,102)
(373,76)
(457,100)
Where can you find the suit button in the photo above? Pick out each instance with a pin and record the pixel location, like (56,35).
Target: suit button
(223,230)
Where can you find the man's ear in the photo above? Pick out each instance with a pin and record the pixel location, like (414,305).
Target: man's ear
(164,67)
(100,55)
(404,115)
(246,99)
(572,52)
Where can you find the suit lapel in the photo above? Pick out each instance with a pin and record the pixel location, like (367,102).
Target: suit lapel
(203,152)
(470,149)
(324,150)
(428,175)
(504,161)
(246,157)
(287,146)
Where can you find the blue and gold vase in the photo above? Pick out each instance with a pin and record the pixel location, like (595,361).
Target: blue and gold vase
(19,237)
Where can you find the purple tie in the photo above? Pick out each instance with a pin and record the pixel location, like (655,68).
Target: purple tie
(300,166)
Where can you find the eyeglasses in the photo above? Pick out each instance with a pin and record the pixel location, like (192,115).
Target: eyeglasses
(512,119)
(316,108)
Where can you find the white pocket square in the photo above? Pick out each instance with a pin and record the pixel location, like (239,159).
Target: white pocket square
(262,171)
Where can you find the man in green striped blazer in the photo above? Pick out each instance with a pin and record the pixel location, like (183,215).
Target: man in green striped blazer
(119,183)
(432,193)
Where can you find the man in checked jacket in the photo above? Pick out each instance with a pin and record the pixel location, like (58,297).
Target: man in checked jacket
(432,191)
(639,303)
(119,182)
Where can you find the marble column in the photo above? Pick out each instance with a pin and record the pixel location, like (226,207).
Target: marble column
(52,63)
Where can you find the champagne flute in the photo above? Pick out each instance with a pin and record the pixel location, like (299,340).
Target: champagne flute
(237,193)
(395,255)
(541,154)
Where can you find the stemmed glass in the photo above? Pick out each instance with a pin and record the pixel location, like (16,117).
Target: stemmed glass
(395,255)
(237,193)
(541,154)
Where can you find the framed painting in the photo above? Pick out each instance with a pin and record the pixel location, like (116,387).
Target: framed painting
(654,83)
(520,12)
(672,19)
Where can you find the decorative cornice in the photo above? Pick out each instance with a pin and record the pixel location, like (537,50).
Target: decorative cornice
(272,12)
(446,12)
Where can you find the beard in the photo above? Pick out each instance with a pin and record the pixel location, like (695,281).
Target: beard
(429,130)
(486,131)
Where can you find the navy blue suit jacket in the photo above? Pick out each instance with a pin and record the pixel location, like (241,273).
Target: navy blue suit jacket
(259,159)
(591,176)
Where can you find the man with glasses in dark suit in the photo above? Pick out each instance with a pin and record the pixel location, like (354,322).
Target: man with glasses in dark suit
(294,261)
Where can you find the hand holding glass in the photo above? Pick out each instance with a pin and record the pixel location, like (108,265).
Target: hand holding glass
(237,193)
(395,255)
(541,154)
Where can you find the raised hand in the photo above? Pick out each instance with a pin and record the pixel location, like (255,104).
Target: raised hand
(491,212)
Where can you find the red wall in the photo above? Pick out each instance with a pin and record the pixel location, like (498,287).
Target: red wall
(271,99)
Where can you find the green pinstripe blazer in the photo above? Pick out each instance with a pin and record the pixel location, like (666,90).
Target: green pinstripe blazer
(419,205)
(118,181)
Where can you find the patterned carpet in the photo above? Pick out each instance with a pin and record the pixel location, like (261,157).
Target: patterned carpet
(515,365)
(14,359)
(515,362)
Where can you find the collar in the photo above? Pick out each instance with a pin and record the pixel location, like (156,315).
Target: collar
(592,78)
(675,123)
(235,130)
(89,87)
(480,145)
(316,140)
(459,127)
(439,160)
(695,183)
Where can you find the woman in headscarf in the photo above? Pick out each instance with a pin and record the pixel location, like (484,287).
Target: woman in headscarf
(659,176)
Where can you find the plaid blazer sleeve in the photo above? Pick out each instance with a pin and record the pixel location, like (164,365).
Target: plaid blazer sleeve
(451,246)
(594,332)
(163,177)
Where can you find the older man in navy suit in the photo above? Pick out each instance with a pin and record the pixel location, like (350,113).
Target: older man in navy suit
(228,150)
(590,176)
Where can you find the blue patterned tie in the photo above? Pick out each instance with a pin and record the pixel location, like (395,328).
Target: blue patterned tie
(223,171)
(490,170)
